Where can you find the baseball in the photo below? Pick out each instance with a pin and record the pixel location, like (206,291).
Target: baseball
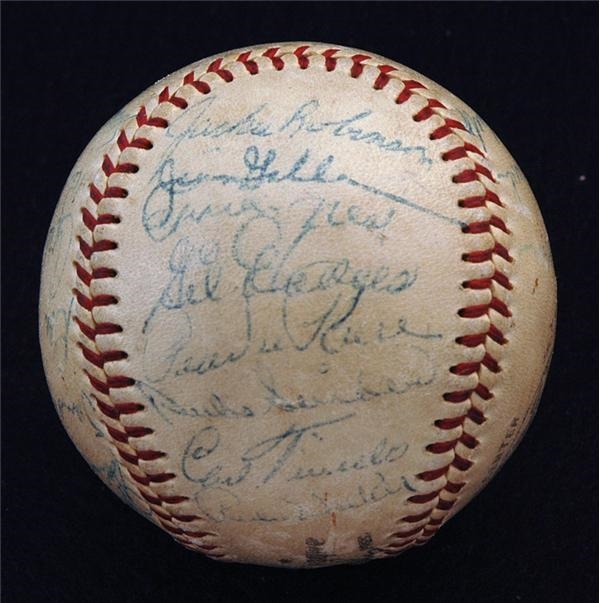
(297,305)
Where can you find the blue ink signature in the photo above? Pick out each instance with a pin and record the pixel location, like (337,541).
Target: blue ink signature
(214,407)
(57,324)
(164,211)
(363,392)
(304,119)
(225,505)
(336,288)
(56,253)
(205,442)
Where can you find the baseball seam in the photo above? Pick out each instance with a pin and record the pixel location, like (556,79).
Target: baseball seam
(449,479)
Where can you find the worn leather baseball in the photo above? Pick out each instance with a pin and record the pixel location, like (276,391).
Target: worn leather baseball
(297,305)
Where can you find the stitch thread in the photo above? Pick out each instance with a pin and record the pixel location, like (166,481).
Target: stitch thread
(443,498)
(123,434)
(432,517)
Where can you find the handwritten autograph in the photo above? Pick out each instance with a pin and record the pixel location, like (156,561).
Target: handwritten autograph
(307,118)
(168,207)
(364,392)
(270,266)
(222,504)
(207,440)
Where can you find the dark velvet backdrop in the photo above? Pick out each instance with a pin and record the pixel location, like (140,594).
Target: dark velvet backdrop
(530,70)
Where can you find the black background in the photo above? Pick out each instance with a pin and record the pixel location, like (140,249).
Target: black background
(530,70)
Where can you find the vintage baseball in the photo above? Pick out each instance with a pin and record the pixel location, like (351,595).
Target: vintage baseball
(297,305)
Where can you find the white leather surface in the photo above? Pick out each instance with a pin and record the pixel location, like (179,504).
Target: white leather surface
(289,275)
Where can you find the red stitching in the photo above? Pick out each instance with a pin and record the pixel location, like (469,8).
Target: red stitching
(330,60)
(383,78)
(446,129)
(88,250)
(357,64)
(92,221)
(478,173)
(250,65)
(156,122)
(407,92)
(486,254)
(473,175)
(480,200)
(99,359)
(118,409)
(151,478)
(224,74)
(86,277)
(104,386)
(429,110)
(485,283)
(137,143)
(99,328)
(476,339)
(141,455)
(271,53)
(303,60)
(166,97)
(122,168)
(423,498)
(89,303)
(476,415)
(122,435)
(199,85)
(450,423)
(159,499)
(484,226)
(460,152)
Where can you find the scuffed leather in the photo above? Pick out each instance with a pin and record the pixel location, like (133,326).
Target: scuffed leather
(289,273)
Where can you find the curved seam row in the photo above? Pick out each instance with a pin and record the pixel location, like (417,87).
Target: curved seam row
(430,520)
(112,410)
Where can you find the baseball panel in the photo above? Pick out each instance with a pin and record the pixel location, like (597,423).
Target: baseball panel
(297,305)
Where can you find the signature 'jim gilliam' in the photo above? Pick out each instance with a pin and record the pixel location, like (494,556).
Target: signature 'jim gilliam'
(304,132)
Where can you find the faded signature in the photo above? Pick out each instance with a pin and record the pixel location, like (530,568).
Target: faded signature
(284,445)
(268,264)
(168,206)
(223,504)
